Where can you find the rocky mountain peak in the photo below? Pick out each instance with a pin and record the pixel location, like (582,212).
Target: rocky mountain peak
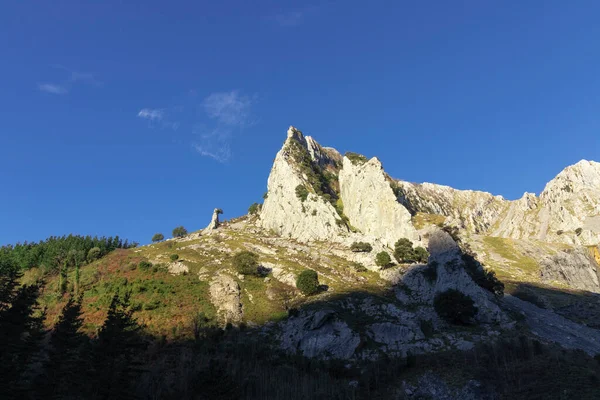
(582,175)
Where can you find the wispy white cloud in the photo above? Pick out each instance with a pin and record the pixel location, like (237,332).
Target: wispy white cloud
(228,108)
(52,88)
(211,122)
(231,112)
(151,114)
(215,143)
(75,77)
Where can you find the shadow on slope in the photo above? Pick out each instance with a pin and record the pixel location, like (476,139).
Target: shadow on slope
(241,363)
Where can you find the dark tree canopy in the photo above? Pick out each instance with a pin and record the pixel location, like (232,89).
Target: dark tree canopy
(455,307)
(308,282)
(246,263)
(383,259)
(180,231)
(158,237)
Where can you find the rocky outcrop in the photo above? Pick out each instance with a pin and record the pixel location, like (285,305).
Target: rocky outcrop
(370,203)
(178,268)
(225,296)
(445,257)
(319,335)
(214,221)
(575,267)
(286,213)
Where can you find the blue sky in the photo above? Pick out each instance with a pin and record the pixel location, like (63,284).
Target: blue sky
(134,117)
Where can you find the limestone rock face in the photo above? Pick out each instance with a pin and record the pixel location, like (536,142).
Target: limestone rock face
(319,335)
(283,211)
(575,267)
(370,203)
(567,211)
(225,296)
(469,209)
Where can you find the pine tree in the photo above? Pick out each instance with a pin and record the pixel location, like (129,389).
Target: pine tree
(113,366)
(62,375)
(21,328)
(9,279)
(62,286)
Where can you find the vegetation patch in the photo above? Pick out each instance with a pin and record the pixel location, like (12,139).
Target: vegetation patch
(405,253)
(355,158)
(301,192)
(383,259)
(361,247)
(421,220)
(455,307)
(308,282)
(246,263)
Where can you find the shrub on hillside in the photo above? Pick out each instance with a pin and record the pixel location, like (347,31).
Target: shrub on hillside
(403,251)
(420,254)
(455,307)
(174,257)
(254,208)
(158,237)
(180,231)
(355,158)
(144,265)
(383,259)
(361,247)
(308,282)
(94,254)
(358,267)
(578,231)
(301,192)
(246,263)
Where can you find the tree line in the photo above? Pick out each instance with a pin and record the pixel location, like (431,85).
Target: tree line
(52,253)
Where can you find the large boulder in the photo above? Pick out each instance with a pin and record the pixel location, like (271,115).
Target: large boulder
(225,296)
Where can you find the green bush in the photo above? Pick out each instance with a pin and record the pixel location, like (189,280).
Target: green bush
(301,192)
(180,231)
(158,237)
(254,208)
(455,307)
(403,251)
(308,282)
(420,254)
(174,257)
(383,259)
(94,254)
(361,247)
(144,265)
(246,263)
(358,267)
(578,231)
